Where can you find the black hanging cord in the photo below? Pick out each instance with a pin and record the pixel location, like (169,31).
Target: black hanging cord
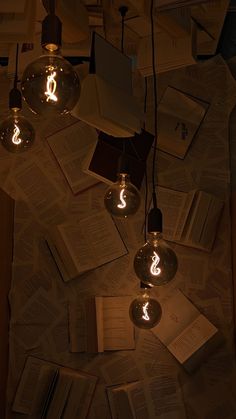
(123,10)
(52,7)
(15,100)
(16,67)
(155,106)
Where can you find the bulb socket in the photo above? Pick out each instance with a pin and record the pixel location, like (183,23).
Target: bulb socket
(51,33)
(123,164)
(15,99)
(155,221)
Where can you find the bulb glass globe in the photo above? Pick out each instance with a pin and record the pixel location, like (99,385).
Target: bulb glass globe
(50,85)
(155,263)
(145,312)
(122,199)
(16,133)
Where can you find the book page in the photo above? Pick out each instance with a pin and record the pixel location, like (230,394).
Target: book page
(171,53)
(26,391)
(93,242)
(179,118)
(60,396)
(184,215)
(118,330)
(77,326)
(44,389)
(127,401)
(100,322)
(80,397)
(211,18)
(192,338)
(177,314)
(70,146)
(164,397)
(210,227)
(172,204)
(49,390)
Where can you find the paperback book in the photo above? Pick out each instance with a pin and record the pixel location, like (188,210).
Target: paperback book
(179,118)
(185,331)
(190,218)
(80,247)
(100,324)
(148,399)
(50,391)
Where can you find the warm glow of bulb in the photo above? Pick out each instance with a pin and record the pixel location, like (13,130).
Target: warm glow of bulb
(51,87)
(145,315)
(122,200)
(15,138)
(155,261)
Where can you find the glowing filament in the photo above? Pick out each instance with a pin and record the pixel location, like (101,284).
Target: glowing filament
(51,87)
(155,261)
(122,201)
(15,138)
(145,315)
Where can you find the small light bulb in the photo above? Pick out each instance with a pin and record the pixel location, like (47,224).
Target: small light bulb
(16,133)
(145,312)
(122,199)
(155,263)
(50,85)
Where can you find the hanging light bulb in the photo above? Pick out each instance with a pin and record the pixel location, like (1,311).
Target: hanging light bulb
(155,263)
(145,312)
(49,84)
(122,199)
(16,133)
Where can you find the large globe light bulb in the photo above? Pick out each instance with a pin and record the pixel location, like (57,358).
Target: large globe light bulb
(50,85)
(145,312)
(155,263)
(122,199)
(16,133)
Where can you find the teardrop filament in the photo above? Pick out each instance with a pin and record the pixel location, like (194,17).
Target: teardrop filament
(51,87)
(145,315)
(15,138)
(154,266)
(122,200)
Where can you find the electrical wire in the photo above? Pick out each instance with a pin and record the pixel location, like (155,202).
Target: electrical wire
(155,105)
(16,67)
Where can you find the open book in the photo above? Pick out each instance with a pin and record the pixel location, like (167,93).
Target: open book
(171,53)
(179,118)
(106,101)
(47,390)
(86,245)
(149,399)
(70,146)
(187,333)
(101,324)
(190,218)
